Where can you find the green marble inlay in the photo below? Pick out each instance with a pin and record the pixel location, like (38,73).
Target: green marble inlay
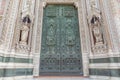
(15,60)
(1,72)
(1,59)
(16,72)
(106,60)
(105,72)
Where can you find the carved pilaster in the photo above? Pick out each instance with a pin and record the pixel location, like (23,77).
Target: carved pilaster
(4,24)
(9,24)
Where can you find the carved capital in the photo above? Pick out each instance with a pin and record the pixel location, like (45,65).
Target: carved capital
(44,4)
(76,4)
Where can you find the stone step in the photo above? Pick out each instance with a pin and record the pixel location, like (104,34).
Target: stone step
(60,78)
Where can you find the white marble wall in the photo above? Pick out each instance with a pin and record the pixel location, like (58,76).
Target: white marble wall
(116,13)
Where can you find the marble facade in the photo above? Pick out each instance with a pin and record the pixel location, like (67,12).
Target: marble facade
(103,57)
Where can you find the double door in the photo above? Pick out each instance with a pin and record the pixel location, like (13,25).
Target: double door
(60,46)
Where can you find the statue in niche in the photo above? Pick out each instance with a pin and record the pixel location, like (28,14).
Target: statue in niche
(25,30)
(96,30)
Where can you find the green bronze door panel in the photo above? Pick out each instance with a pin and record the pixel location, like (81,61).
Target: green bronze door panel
(49,56)
(60,47)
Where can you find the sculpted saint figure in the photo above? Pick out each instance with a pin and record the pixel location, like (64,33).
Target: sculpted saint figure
(96,29)
(25,30)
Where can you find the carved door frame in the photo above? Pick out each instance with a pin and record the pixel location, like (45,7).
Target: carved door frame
(83,28)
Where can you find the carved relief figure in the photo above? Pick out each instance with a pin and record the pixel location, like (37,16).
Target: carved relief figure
(97,34)
(70,33)
(50,39)
(51,33)
(25,30)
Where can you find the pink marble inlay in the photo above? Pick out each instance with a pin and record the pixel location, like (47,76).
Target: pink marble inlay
(2,6)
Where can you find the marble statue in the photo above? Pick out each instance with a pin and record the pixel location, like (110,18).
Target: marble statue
(25,30)
(96,29)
